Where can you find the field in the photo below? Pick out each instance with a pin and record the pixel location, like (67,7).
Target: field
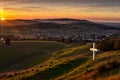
(66,62)
(21,55)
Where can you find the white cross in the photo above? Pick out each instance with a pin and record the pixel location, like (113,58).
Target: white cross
(94,50)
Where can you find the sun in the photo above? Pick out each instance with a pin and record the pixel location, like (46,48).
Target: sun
(2,14)
(2,19)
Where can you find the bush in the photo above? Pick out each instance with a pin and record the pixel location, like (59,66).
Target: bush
(109,44)
(106,69)
(117,45)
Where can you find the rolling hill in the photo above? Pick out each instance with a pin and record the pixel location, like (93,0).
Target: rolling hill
(72,63)
(54,23)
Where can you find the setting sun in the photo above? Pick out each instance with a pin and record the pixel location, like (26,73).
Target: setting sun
(2,14)
(2,19)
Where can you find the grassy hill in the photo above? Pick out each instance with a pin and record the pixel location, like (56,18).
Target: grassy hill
(72,63)
(20,55)
(106,67)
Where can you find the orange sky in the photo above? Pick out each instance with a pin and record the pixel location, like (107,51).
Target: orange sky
(80,9)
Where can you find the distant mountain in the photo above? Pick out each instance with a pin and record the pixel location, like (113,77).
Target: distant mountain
(55,23)
(89,24)
(60,20)
(71,23)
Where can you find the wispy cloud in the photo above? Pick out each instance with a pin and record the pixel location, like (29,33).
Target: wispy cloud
(80,2)
(43,3)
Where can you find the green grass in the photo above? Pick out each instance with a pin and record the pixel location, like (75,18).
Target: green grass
(71,63)
(61,69)
(64,62)
(106,65)
(64,67)
(76,50)
(21,55)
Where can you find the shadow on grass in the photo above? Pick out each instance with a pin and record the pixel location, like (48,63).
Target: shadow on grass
(51,73)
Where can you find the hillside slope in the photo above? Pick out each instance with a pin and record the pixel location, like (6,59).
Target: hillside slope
(73,63)
(106,66)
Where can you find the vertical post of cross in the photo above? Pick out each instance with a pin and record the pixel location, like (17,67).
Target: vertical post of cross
(94,50)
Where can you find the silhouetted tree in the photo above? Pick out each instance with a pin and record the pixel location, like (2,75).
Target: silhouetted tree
(109,44)
(117,45)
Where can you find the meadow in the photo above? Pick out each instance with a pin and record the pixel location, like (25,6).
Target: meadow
(70,62)
(21,55)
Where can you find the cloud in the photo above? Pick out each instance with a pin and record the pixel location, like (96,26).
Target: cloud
(28,9)
(112,2)
(50,5)
(80,2)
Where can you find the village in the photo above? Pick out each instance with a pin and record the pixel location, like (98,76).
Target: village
(62,35)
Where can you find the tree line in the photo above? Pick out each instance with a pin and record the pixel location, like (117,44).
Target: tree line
(109,44)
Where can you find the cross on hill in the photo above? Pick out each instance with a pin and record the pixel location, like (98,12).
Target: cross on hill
(94,50)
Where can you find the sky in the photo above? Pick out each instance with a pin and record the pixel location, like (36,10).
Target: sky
(96,10)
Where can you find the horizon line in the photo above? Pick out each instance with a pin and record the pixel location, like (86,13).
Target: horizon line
(65,18)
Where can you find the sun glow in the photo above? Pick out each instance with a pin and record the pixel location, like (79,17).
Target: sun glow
(2,19)
(2,14)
